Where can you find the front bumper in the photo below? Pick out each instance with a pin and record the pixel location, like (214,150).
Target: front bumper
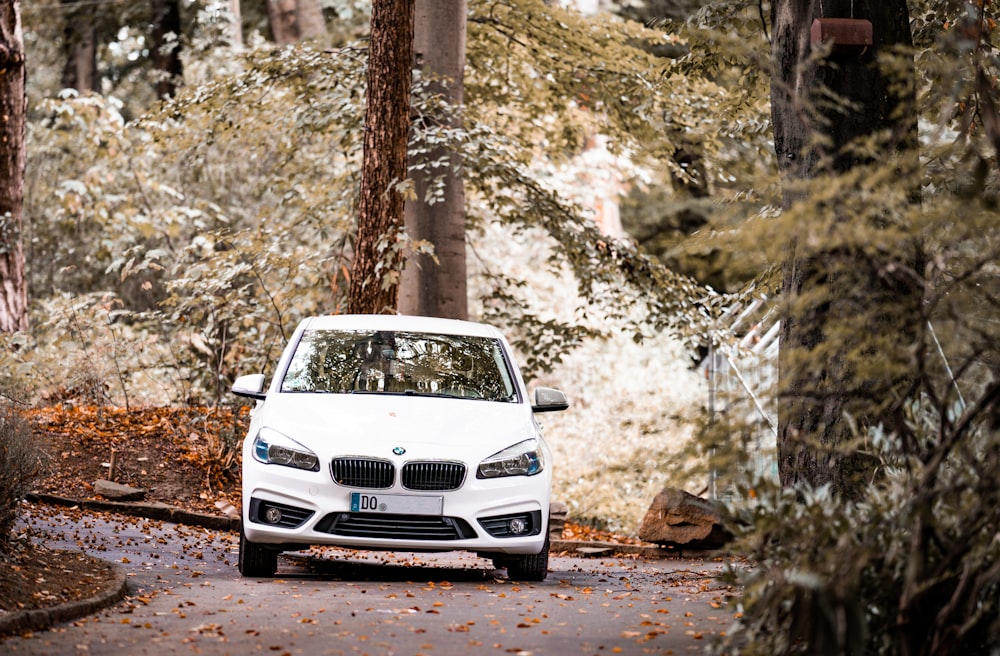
(295,509)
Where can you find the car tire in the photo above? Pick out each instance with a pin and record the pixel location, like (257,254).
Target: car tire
(533,567)
(256,560)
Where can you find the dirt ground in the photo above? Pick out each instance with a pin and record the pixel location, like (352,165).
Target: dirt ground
(187,458)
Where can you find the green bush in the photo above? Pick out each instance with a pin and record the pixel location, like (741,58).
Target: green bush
(21,462)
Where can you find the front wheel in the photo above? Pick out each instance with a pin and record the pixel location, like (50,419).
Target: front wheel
(533,567)
(256,560)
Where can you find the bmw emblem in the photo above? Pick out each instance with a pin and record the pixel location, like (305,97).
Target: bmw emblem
(399,450)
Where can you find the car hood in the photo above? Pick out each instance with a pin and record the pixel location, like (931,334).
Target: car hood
(375,424)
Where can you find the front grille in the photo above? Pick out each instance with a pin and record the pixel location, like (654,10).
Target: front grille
(363,472)
(433,475)
(287,516)
(499,526)
(395,527)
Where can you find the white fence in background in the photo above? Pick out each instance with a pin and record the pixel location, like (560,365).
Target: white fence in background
(742,372)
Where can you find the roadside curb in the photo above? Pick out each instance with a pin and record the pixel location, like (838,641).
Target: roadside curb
(43,618)
(145,509)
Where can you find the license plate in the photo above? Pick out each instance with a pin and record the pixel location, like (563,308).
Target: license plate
(396,504)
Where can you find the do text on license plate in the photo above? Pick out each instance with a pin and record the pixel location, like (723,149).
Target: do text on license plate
(396,503)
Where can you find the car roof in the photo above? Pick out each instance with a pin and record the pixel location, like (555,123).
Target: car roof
(399,322)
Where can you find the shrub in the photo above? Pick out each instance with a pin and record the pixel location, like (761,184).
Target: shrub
(912,568)
(21,462)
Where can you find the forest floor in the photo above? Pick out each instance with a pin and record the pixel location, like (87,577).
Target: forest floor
(186,458)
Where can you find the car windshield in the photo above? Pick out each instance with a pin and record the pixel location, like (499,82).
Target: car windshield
(399,362)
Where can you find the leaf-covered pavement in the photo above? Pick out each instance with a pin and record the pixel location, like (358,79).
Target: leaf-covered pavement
(185,597)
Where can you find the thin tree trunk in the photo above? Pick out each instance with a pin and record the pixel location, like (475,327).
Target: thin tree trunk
(80,43)
(167,46)
(437,285)
(281,18)
(377,259)
(236,31)
(310,19)
(13,107)
(295,20)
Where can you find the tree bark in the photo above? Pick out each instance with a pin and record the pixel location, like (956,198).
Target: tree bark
(436,285)
(13,108)
(377,258)
(295,20)
(818,361)
(167,46)
(236,31)
(80,44)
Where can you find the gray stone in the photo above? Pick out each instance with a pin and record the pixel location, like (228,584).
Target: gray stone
(118,491)
(557,519)
(680,519)
(593,552)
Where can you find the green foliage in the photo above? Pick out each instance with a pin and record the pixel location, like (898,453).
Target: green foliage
(913,569)
(227,213)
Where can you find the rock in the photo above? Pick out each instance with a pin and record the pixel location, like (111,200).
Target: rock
(679,519)
(557,519)
(227,509)
(593,552)
(118,491)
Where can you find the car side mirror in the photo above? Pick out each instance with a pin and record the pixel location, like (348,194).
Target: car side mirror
(250,386)
(549,400)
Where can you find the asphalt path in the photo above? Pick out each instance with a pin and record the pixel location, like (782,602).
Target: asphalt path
(185,596)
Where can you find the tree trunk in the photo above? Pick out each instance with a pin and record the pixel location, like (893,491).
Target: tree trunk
(436,285)
(310,19)
(377,259)
(13,108)
(236,31)
(818,361)
(167,46)
(295,20)
(80,43)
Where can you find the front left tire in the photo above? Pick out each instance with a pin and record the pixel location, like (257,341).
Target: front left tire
(256,560)
(532,567)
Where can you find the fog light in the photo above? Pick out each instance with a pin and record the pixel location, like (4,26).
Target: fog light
(517,526)
(272,515)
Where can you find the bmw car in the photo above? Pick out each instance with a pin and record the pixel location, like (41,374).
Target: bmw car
(398,433)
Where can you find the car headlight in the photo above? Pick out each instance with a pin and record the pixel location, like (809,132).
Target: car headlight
(522,459)
(273,448)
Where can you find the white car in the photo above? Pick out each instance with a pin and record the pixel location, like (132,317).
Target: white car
(396,433)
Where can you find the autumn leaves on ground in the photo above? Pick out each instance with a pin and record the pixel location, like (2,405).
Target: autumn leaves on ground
(187,457)
(183,457)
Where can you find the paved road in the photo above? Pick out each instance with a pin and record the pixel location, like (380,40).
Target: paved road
(186,597)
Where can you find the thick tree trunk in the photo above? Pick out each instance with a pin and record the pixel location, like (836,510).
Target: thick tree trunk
(818,362)
(437,285)
(13,107)
(167,46)
(295,20)
(80,45)
(377,259)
